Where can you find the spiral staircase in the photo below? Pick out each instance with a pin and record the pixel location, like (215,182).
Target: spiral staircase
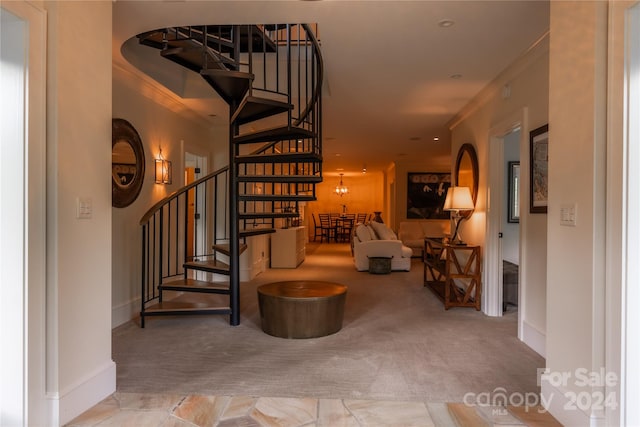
(271,78)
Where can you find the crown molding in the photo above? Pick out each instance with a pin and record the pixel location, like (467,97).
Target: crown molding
(538,49)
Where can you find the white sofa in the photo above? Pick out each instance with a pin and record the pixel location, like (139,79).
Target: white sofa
(413,233)
(377,240)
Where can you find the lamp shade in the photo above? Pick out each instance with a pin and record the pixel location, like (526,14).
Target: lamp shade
(458,199)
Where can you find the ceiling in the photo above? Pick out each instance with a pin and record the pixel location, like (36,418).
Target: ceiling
(395,72)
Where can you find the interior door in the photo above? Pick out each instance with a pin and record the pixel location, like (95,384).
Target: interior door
(189,177)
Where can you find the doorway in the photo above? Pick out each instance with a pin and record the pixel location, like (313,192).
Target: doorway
(195,167)
(510,221)
(503,238)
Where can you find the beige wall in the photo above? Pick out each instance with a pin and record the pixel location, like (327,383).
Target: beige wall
(159,120)
(572,104)
(477,124)
(80,371)
(577,177)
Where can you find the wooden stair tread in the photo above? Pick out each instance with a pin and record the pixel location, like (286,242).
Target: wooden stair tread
(256,231)
(192,285)
(223,33)
(279,158)
(209,265)
(223,248)
(191,57)
(257,215)
(218,36)
(255,108)
(178,307)
(274,134)
(277,197)
(303,179)
(230,85)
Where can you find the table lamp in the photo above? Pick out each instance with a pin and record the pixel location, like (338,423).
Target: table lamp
(458,199)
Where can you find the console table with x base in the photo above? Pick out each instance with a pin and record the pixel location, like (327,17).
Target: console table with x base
(453,273)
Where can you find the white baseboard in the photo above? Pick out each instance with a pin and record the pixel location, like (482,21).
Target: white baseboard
(534,338)
(123,313)
(563,409)
(68,404)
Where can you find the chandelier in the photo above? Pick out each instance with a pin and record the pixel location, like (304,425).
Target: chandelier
(341,189)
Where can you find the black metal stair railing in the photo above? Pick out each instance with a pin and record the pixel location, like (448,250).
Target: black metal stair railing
(198,210)
(271,77)
(298,155)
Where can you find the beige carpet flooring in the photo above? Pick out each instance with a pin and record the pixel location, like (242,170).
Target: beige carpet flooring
(397,343)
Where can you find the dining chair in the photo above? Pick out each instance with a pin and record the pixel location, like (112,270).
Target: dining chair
(317,230)
(361,218)
(327,227)
(345,227)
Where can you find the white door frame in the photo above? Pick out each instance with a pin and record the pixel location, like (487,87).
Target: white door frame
(492,298)
(23,246)
(201,236)
(630,339)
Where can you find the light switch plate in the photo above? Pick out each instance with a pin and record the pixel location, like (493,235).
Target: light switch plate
(84,208)
(568,213)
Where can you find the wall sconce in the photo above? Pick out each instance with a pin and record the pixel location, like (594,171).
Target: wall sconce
(458,199)
(341,189)
(163,170)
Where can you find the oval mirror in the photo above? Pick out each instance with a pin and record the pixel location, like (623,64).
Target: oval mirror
(466,172)
(127,163)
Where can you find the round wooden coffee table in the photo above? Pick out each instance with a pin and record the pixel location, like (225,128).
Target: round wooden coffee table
(301,309)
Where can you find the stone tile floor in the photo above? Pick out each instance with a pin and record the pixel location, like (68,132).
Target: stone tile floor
(168,410)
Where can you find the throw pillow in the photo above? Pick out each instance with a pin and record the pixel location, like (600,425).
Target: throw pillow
(363,233)
(383,232)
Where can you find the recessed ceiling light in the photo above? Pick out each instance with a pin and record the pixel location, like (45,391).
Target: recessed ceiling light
(446,23)
(456,76)
(339,169)
(436,138)
(338,154)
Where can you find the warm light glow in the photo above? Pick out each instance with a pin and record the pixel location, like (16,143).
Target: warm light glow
(458,199)
(341,189)
(163,170)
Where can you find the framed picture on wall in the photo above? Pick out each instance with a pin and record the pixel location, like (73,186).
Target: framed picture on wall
(426,192)
(539,157)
